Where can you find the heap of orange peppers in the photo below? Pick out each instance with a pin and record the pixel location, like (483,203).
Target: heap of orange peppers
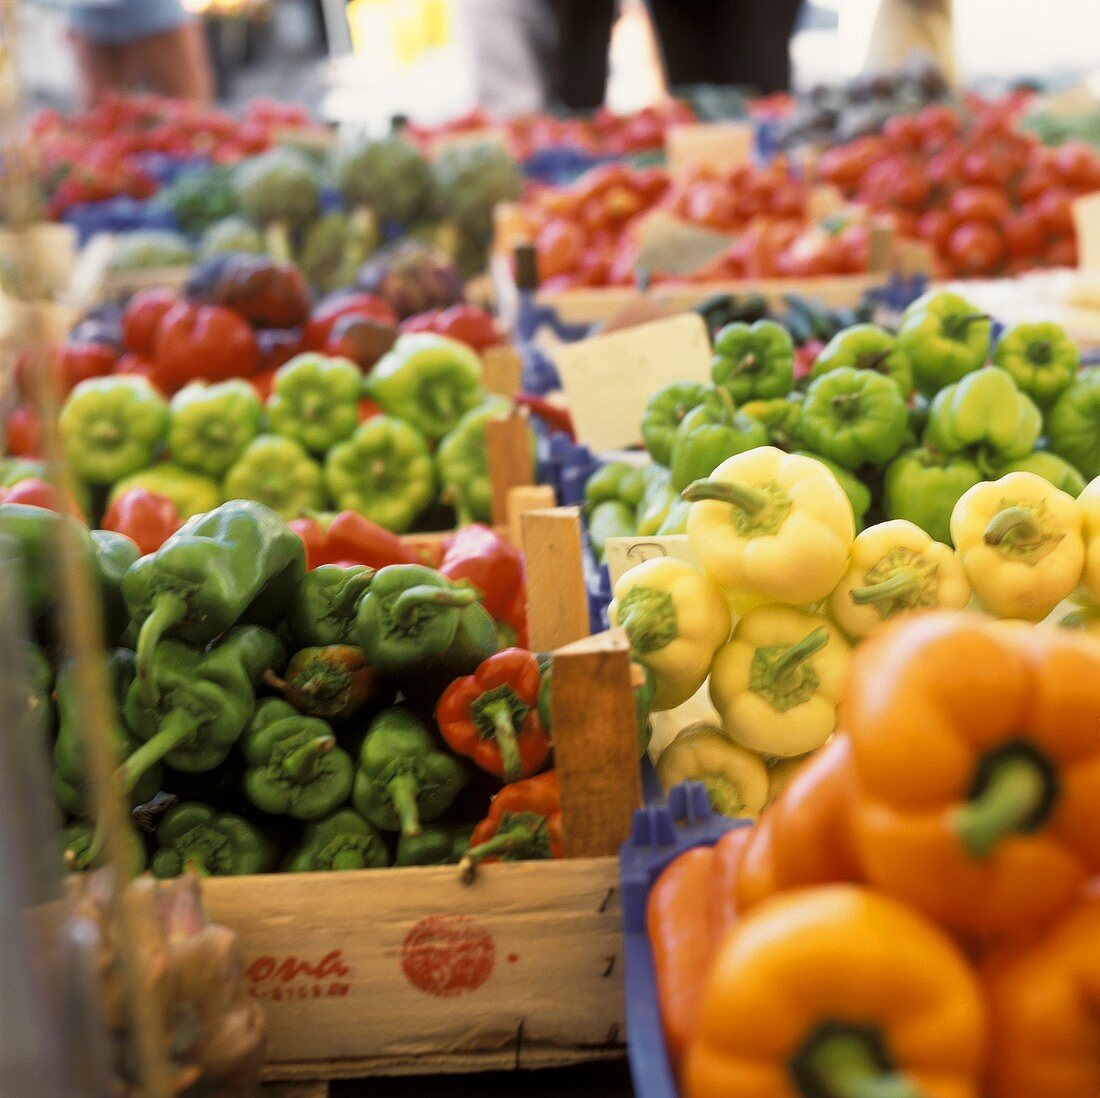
(917,915)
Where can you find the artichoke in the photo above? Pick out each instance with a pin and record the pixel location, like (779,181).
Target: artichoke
(201,198)
(281,191)
(231,234)
(389,175)
(335,245)
(412,276)
(144,249)
(470,180)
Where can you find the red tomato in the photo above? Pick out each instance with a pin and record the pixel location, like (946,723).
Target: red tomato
(1061,253)
(343,303)
(1054,211)
(1023,235)
(976,248)
(142,315)
(935,226)
(993,164)
(621,203)
(147,518)
(23,432)
(844,165)
(978,203)
(903,132)
(559,246)
(710,204)
(1077,164)
(938,125)
(203,342)
(36,492)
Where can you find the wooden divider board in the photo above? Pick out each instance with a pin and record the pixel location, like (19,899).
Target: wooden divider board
(502,368)
(557,603)
(511,460)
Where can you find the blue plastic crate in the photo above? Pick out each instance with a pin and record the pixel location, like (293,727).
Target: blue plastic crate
(660,834)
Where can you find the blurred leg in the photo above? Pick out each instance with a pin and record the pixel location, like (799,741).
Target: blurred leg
(689,39)
(173,63)
(100,67)
(584,41)
(755,39)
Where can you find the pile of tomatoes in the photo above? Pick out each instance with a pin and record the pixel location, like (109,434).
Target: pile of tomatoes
(587,234)
(986,196)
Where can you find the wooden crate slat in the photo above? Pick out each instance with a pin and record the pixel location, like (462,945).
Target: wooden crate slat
(557,605)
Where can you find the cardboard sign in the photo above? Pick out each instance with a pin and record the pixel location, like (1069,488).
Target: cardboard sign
(622,554)
(608,379)
(719,145)
(674,247)
(1086,220)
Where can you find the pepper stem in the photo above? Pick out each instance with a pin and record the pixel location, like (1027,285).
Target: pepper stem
(175,729)
(1014,525)
(517,840)
(404,790)
(274,681)
(424,594)
(747,363)
(723,795)
(799,653)
(168,609)
(903,583)
(352,591)
(844,1064)
(874,362)
(301,764)
(750,500)
(277,241)
(955,326)
(504,732)
(1014,793)
(349,858)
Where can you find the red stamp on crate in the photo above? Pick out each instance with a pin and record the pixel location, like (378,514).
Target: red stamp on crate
(279,978)
(448,955)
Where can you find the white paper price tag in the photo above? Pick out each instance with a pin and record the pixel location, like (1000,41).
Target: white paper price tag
(622,554)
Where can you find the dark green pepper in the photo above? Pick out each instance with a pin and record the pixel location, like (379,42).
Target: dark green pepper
(343,840)
(239,562)
(403,776)
(1051,468)
(295,768)
(1041,358)
(710,433)
(866,347)
(206,700)
(1073,424)
(434,846)
(924,485)
(618,481)
(415,625)
(323,607)
(610,519)
(779,416)
(753,362)
(38,684)
(664,412)
(115,553)
(944,338)
(213,844)
(83,847)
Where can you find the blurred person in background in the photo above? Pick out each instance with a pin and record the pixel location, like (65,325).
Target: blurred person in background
(127,44)
(904,27)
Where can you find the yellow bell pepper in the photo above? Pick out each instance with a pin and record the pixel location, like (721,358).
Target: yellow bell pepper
(1088,503)
(675,618)
(781,773)
(895,566)
(736,780)
(776,684)
(1020,542)
(772,524)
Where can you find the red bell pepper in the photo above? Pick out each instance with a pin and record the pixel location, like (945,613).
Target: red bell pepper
(142,315)
(553,415)
(40,493)
(140,366)
(23,433)
(350,538)
(524,822)
(479,555)
(344,303)
(469,324)
(206,342)
(492,716)
(147,518)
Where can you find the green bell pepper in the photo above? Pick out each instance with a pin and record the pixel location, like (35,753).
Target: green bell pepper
(211,425)
(70,770)
(83,847)
(111,427)
(924,485)
(428,380)
(384,471)
(753,361)
(610,519)
(37,681)
(294,766)
(1041,358)
(315,401)
(213,844)
(36,531)
(414,624)
(619,481)
(709,434)
(403,777)
(276,471)
(676,519)
(659,497)
(437,845)
(1050,467)
(323,607)
(114,555)
(779,416)
(462,463)
(240,562)
(1073,424)
(854,417)
(343,840)
(985,411)
(944,338)
(663,413)
(191,492)
(859,495)
(866,347)
(205,701)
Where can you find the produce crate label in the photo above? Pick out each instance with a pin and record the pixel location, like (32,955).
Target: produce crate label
(675,247)
(719,145)
(608,379)
(622,554)
(1086,219)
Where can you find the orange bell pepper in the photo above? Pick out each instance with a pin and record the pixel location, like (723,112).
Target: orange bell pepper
(837,991)
(804,837)
(978,765)
(1044,1006)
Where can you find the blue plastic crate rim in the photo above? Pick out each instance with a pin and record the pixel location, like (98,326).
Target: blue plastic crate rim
(660,834)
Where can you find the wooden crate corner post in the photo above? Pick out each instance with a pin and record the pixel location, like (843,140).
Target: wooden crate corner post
(557,600)
(511,460)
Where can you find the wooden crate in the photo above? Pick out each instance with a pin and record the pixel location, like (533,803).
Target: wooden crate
(403,971)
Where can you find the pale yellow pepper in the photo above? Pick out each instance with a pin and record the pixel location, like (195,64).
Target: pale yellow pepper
(675,618)
(1020,542)
(736,780)
(773,524)
(1089,504)
(777,682)
(781,773)
(895,566)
